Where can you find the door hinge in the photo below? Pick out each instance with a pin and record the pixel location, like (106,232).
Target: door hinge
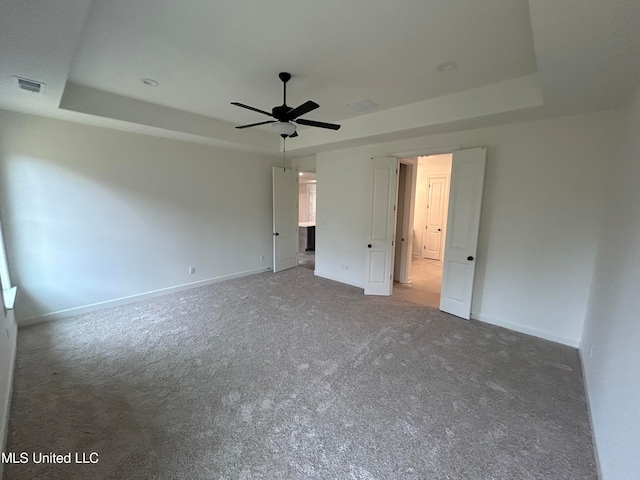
(396,171)
(394,208)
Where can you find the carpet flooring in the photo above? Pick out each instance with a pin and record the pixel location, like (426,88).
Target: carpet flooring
(291,376)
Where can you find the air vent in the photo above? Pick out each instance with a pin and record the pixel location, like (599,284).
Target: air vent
(30,85)
(362,105)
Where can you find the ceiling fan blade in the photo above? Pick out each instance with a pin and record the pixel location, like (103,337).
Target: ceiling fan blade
(313,123)
(306,107)
(250,108)
(256,124)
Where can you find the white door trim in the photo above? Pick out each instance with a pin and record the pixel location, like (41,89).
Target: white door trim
(409,211)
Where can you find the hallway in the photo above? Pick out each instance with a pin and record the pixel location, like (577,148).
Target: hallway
(426,280)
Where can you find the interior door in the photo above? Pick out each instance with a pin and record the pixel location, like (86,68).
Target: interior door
(311,198)
(285,218)
(465,199)
(382,219)
(436,210)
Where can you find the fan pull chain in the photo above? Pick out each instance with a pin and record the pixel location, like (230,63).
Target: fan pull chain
(284,153)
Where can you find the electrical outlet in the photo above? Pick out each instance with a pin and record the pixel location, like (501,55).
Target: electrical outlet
(192,270)
(262,258)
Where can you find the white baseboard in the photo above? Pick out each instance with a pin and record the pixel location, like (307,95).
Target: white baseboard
(72,312)
(571,342)
(336,279)
(589,411)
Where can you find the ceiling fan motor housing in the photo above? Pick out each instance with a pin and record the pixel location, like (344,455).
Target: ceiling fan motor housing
(280,112)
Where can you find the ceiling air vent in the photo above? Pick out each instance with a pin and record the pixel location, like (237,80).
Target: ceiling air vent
(362,105)
(30,85)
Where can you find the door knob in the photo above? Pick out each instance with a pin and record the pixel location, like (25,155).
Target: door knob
(369,246)
(470,258)
(439,229)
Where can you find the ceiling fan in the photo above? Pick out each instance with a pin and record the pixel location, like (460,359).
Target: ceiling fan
(285,116)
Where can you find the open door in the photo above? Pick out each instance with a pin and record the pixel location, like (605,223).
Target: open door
(285,219)
(465,199)
(379,249)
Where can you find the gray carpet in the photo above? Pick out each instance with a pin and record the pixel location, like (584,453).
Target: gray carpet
(290,376)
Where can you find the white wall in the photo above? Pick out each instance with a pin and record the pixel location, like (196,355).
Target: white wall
(612,371)
(8,336)
(341,221)
(92,215)
(539,223)
(303,164)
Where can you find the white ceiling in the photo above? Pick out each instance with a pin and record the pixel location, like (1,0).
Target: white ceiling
(516,59)
(215,52)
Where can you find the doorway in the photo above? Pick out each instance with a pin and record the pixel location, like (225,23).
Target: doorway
(422,217)
(307,220)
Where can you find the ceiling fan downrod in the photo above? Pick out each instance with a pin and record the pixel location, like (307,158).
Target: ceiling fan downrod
(285,77)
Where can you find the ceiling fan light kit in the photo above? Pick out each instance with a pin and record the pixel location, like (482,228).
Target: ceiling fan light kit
(285,116)
(285,129)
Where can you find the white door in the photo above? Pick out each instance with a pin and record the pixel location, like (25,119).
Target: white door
(382,219)
(465,199)
(436,211)
(285,219)
(311,198)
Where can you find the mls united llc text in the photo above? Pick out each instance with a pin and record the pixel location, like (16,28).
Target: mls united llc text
(39,457)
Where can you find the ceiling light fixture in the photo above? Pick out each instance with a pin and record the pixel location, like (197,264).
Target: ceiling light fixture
(284,129)
(446,66)
(300,173)
(150,82)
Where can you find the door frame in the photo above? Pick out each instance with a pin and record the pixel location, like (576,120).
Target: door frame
(408,214)
(411,159)
(413,156)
